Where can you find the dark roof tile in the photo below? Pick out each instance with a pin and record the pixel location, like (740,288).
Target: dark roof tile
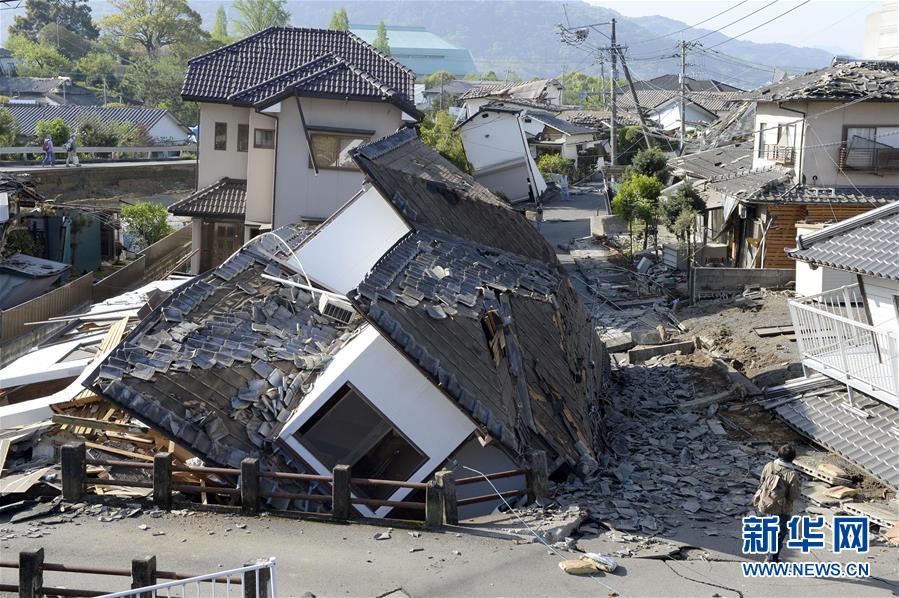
(225,198)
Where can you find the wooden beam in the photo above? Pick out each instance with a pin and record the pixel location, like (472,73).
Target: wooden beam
(116,451)
(96,424)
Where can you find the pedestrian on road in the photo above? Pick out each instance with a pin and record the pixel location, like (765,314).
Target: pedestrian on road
(778,490)
(72,152)
(539,217)
(49,158)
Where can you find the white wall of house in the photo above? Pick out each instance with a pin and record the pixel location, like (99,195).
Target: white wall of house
(216,164)
(260,171)
(409,400)
(883,302)
(332,257)
(812,281)
(168,128)
(768,116)
(299,192)
(668,115)
(196,242)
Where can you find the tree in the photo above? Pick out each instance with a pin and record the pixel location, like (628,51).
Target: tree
(630,141)
(98,69)
(9,131)
(57,129)
(437,132)
(554,164)
(74,15)
(220,26)
(381,43)
(438,79)
(256,15)
(147,220)
(637,199)
(339,21)
(158,83)
(92,132)
(153,25)
(652,162)
(686,199)
(71,45)
(37,60)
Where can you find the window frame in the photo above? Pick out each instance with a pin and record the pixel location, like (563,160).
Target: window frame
(215,137)
(313,133)
(257,144)
(245,128)
(760,154)
(846,143)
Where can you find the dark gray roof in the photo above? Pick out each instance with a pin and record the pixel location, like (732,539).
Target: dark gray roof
(225,198)
(750,185)
(430,295)
(842,81)
(427,189)
(716,163)
(281,61)
(598,118)
(864,244)
(559,124)
(859,195)
(672,83)
(711,101)
(26,116)
(219,365)
(530,90)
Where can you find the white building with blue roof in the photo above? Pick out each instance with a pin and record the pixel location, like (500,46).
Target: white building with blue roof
(420,50)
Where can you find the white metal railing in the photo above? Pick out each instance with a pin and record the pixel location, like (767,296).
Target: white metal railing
(122,149)
(834,338)
(216,584)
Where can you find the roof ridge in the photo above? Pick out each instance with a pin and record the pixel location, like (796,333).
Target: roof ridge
(379,147)
(371,48)
(857,221)
(285,74)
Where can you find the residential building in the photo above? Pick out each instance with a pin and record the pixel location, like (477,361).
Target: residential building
(7,63)
(51,91)
(546,93)
(663,107)
(835,132)
(159,123)
(496,144)
(280,352)
(442,96)
(420,50)
(280,113)
(882,32)
(851,336)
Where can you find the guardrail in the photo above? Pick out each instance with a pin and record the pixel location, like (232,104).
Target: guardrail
(255,580)
(441,506)
(142,149)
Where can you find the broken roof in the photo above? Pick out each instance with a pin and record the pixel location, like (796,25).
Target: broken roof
(225,198)
(672,83)
(716,163)
(219,365)
(877,80)
(531,90)
(803,194)
(430,295)
(737,124)
(428,190)
(282,61)
(561,125)
(711,101)
(864,244)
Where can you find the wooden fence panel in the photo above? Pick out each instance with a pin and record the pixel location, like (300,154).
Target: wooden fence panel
(120,281)
(59,301)
(162,248)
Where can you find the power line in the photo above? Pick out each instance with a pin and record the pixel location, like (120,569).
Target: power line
(733,22)
(646,41)
(759,26)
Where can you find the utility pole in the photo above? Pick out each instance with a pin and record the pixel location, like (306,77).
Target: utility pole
(683,96)
(630,84)
(613,125)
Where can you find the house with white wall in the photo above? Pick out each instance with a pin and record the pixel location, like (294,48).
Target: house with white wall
(280,113)
(496,144)
(544,92)
(282,352)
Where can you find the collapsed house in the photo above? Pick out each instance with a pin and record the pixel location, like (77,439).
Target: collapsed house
(425,325)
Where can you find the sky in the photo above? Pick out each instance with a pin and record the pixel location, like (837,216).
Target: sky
(834,25)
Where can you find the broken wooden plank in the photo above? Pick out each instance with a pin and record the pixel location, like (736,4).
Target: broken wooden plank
(118,451)
(709,399)
(97,424)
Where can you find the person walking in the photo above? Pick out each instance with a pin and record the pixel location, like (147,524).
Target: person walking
(778,490)
(72,152)
(539,215)
(49,157)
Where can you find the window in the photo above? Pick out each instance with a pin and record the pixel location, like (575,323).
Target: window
(333,150)
(762,130)
(243,138)
(264,138)
(348,430)
(871,148)
(221,136)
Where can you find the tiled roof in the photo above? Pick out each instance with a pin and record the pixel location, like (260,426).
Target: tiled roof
(598,118)
(737,124)
(222,362)
(316,62)
(225,198)
(715,163)
(713,101)
(869,442)
(803,194)
(562,125)
(427,189)
(431,293)
(877,80)
(26,116)
(750,185)
(531,90)
(672,83)
(864,244)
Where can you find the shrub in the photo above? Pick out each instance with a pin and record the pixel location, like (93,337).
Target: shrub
(57,129)
(554,164)
(147,221)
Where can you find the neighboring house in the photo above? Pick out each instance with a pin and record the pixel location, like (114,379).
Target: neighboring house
(280,113)
(51,91)
(159,123)
(422,51)
(882,33)
(851,335)
(496,145)
(663,107)
(835,131)
(671,83)
(548,134)
(546,93)
(448,91)
(7,63)
(280,353)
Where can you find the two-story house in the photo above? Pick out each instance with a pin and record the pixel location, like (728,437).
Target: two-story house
(836,130)
(280,112)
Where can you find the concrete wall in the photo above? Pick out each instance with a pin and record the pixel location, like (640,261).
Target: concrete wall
(332,257)
(114,180)
(299,192)
(216,164)
(711,282)
(882,33)
(883,302)
(260,171)
(409,400)
(668,116)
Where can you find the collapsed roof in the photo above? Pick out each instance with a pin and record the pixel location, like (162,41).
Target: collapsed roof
(877,80)
(531,90)
(672,83)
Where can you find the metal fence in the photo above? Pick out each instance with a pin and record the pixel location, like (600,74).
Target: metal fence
(14,321)
(258,582)
(111,151)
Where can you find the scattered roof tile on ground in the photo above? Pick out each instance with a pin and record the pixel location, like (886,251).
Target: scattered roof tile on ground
(225,198)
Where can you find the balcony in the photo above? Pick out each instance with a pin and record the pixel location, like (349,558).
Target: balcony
(869,159)
(780,154)
(834,339)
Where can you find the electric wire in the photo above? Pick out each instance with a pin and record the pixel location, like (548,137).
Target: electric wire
(759,26)
(705,35)
(646,41)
